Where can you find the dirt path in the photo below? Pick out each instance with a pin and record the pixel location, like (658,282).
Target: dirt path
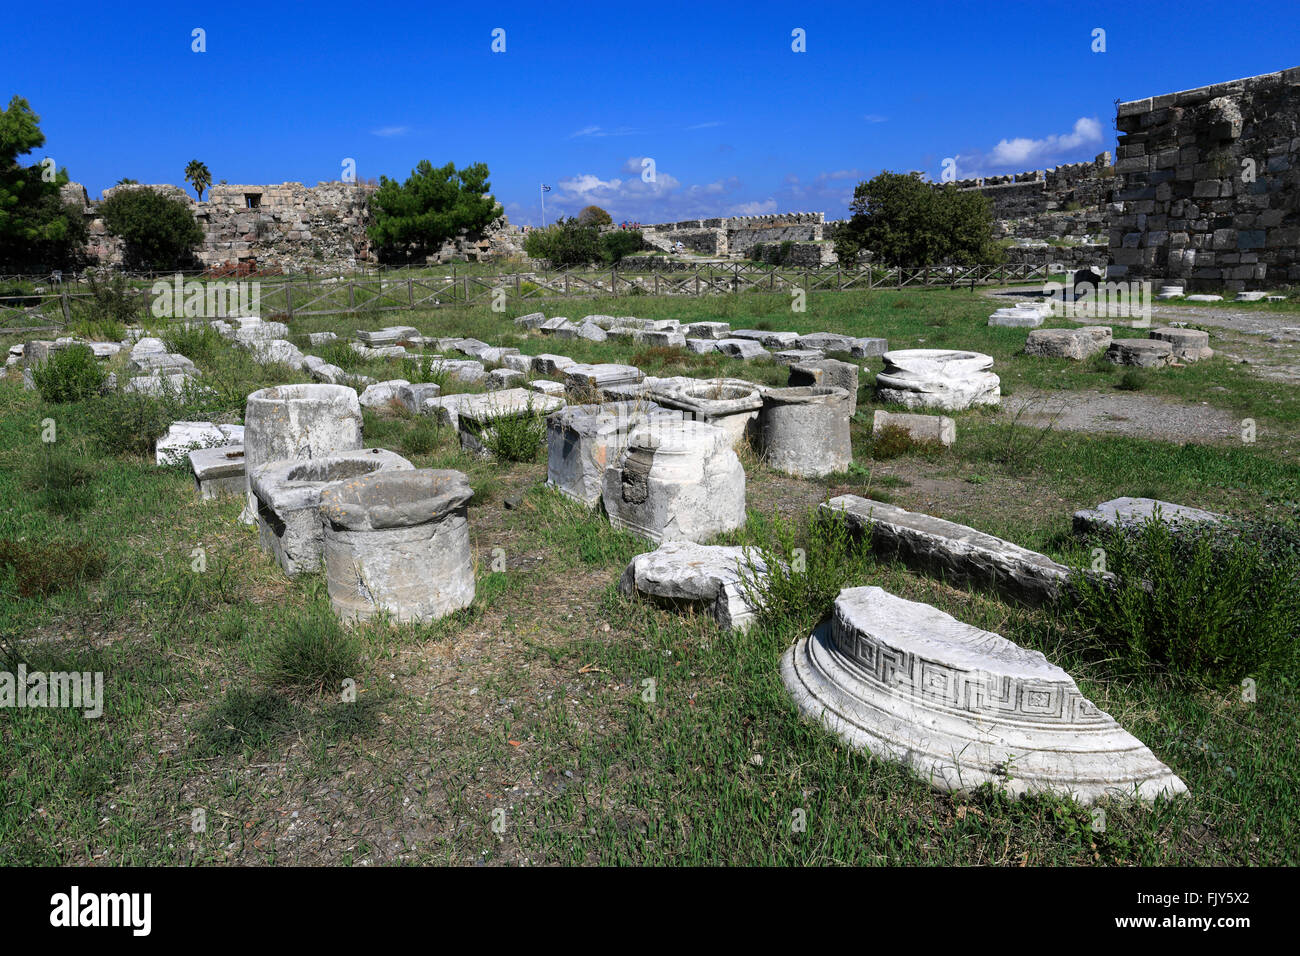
(1126,413)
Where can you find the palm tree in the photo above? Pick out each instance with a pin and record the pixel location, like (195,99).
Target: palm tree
(197,175)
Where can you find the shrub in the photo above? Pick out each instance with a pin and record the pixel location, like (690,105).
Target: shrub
(44,567)
(311,652)
(244,719)
(68,375)
(199,343)
(1216,602)
(425,369)
(338,352)
(804,576)
(566,243)
(158,232)
(517,438)
(128,423)
(619,243)
(1132,381)
(422,438)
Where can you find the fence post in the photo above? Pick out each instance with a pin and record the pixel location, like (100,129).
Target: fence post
(410,293)
(63,301)
(288,300)
(352,296)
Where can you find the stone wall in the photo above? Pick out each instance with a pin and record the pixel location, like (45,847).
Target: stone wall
(287,227)
(1065,202)
(733,236)
(1210,185)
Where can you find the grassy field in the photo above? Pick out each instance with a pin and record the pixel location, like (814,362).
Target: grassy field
(523,730)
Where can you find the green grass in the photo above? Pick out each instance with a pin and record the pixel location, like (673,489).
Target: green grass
(222,686)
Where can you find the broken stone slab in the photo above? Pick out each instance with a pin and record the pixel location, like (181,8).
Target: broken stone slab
(963,707)
(389,336)
(517,363)
(465,370)
(919,428)
(583,440)
(946,379)
(1204,298)
(1250,296)
(320,338)
(479,414)
(601,322)
(829,372)
(445,409)
(746,349)
(530,321)
(174,383)
(324,372)
(496,356)
(181,437)
(659,338)
(161,362)
(591,332)
(683,574)
(413,395)
(779,340)
(1142,353)
(551,326)
(856,346)
(381,393)
(298,421)
(144,346)
(1074,344)
(105,350)
(378,352)
(500,378)
(804,431)
(397,543)
(1017,318)
(218,471)
(547,387)
(731,404)
(259,332)
(582,377)
(795,356)
(474,348)
(955,552)
(707,330)
(701,346)
(1189,345)
(287,500)
(1136,512)
(551,365)
(676,481)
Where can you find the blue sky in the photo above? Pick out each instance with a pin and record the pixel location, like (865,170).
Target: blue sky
(735,121)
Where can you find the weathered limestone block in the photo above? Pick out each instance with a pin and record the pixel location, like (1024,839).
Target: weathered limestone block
(413,395)
(551,365)
(795,356)
(501,378)
(729,403)
(707,330)
(1143,353)
(1076,344)
(381,393)
(1135,512)
(583,440)
(963,707)
(464,370)
(676,481)
(1017,318)
(584,378)
(320,338)
(946,379)
(389,336)
(1189,345)
(493,355)
(287,495)
(780,340)
(479,414)
(557,324)
(955,552)
(831,373)
(175,383)
(445,409)
(279,351)
(530,321)
(701,346)
(746,349)
(218,472)
(161,362)
(547,387)
(298,421)
(920,428)
(591,332)
(682,574)
(804,431)
(378,351)
(397,542)
(517,363)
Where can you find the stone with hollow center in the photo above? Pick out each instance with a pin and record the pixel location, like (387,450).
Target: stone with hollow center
(676,481)
(1135,512)
(298,421)
(732,404)
(397,543)
(288,499)
(963,707)
(945,379)
(804,431)
(829,372)
(582,440)
(715,578)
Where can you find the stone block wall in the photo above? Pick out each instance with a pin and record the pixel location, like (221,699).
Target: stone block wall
(1210,186)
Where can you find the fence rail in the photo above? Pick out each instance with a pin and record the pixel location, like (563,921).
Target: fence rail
(48,308)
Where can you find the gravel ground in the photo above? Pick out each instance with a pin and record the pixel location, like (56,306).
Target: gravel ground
(1127,413)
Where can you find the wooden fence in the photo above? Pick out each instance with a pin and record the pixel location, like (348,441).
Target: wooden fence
(55,308)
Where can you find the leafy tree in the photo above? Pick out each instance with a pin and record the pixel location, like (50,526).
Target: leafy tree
(414,218)
(619,243)
(594,216)
(158,232)
(37,229)
(565,243)
(197,175)
(907,221)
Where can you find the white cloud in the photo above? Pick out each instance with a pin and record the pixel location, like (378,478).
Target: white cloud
(756,208)
(391,131)
(600,131)
(708,125)
(1023,150)
(875,118)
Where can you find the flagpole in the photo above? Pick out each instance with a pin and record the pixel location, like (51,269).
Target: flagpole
(541,194)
